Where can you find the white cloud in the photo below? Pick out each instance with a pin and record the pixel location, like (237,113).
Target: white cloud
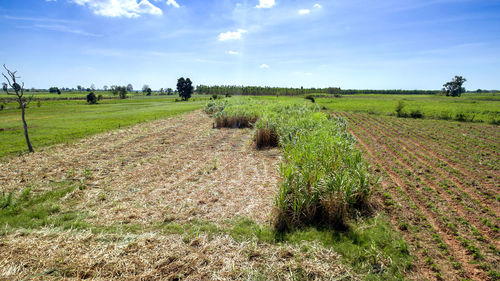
(173,3)
(120,8)
(266,4)
(50,0)
(232,35)
(264,66)
(234,53)
(317,6)
(304,11)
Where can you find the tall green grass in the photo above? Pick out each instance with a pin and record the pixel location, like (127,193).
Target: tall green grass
(325,181)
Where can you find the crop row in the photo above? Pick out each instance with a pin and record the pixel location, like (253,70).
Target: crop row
(420,180)
(324,178)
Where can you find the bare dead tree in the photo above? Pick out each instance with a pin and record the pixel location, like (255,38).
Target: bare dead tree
(21,100)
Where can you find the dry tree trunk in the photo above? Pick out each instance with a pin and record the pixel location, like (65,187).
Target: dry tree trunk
(25,126)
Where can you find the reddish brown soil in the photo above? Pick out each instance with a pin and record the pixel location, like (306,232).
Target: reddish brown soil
(430,197)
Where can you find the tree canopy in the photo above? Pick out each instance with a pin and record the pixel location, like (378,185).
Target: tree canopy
(185,88)
(454,88)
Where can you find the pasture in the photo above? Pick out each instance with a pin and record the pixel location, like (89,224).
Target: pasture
(147,188)
(483,108)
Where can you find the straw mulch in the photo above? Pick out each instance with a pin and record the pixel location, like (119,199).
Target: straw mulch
(46,255)
(176,169)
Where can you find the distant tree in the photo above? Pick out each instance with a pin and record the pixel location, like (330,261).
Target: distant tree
(105,88)
(170,91)
(146,89)
(80,88)
(21,100)
(54,90)
(162,92)
(91,98)
(92,87)
(130,88)
(455,88)
(185,88)
(121,91)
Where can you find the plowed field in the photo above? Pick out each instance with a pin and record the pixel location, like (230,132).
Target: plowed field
(440,184)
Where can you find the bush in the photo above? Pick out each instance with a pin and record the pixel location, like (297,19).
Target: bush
(38,104)
(464,117)
(416,113)
(399,110)
(100,97)
(2,107)
(311,98)
(91,98)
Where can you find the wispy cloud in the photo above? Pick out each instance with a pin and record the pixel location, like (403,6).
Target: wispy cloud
(36,19)
(264,66)
(122,8)
(266,4)
(317,6)
(300,73)
(232,35)
(304,11)
(173,3)
(66,29)
(234,53)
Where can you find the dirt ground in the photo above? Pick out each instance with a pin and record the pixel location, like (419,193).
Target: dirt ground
(176,170)
(440,186)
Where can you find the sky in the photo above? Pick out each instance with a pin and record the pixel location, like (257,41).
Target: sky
(352,44)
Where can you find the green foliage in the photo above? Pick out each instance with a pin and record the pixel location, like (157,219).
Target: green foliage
(454,87)
(399,109)
(370,247)
(91,98)
(33,211)
(325,180)
(278,91)
(120,91)
(416,113)
(311,98)
(185,88)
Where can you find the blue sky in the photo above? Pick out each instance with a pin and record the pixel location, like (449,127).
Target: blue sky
(363,44)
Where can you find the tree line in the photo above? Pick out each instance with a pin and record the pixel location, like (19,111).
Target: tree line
(271,91)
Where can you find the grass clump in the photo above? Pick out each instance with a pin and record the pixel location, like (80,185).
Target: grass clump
(32,211)
(325,180)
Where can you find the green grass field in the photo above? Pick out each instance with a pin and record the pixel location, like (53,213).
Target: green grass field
(482,108)
(57,121)
(64,121)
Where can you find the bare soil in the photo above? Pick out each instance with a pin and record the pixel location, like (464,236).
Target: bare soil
(439,204)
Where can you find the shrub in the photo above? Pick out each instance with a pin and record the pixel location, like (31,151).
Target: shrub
(495,121)
(100,97)
(91,98)
(38,104)
(416,113)
(462,117)
(2,107)
(311,98)
(399,110)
